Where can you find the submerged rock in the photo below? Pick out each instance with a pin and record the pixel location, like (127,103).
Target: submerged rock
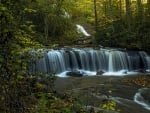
(146,94)
(141,70)
(106,111)
(142,97)
(74,74)
(100,72)
(94,109)
(124,71)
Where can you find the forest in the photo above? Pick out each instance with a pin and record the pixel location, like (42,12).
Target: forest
(34,24)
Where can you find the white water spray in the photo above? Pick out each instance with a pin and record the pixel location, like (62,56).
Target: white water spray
(81,29)
(139,99)
(88,60)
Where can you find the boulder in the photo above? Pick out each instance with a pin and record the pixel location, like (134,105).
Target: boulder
(145,92)
(141,70)
(124,72)
(100,72)
(93,109)
(74,74)
(107,111)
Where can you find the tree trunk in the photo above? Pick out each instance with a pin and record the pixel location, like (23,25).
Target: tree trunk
(95,13)
(148,4)
(140,9)
(46,28)
(110,8)
(111,13)
(105,4)
(128,14)
(120,8)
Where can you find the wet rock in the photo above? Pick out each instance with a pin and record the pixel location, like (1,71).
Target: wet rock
(93,109)
(90,109)
(101,98)
(141,70)
(74,74)
(110,111)
(100,72)
(104,98)
(124,72)
(146,94)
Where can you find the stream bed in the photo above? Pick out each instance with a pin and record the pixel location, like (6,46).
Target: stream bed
(94,90)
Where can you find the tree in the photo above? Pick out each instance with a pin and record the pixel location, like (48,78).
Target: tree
(95,13)
(110,8)
(120,8)
(128,14)
(140,10)
(12,63)
(148,4)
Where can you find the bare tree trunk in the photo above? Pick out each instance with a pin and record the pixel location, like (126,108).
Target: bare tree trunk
(140,9)
(105,4)
(111,13)
(95,12)
(46,28)
(105,10)
(110,8)
(120,8)
(128,14)
(148,4)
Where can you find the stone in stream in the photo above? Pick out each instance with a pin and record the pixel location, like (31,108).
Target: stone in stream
(93,109)
(100,72)
(74,74)
(146,94)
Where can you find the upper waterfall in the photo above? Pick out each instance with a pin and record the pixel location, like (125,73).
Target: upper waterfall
(89,61)
(81,29)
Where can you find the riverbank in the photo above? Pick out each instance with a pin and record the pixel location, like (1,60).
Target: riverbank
(94,90)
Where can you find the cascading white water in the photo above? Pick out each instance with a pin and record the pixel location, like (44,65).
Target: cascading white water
(56,61)
(148,62)
(103,60)
(117,61)
(142,97)
(81,29)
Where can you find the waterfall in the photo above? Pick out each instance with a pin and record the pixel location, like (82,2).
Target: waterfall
(109,61)
(146,60)
(81,29)
(148,63)
(117,61)
(56,61)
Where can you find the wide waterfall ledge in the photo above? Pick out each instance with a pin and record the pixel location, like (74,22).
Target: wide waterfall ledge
(87,61)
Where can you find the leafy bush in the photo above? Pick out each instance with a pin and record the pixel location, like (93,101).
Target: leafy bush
(110,105)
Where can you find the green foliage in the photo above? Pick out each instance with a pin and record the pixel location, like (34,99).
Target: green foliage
(27,25)
(110,105)
(42,104)
(50,20)
(15,84)
(49,103)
